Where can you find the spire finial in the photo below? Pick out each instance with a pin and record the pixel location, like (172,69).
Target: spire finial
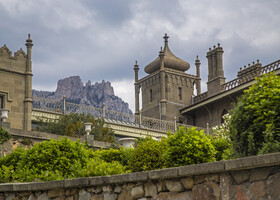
(165,38)
(196,57)
(135,62)
(29,41)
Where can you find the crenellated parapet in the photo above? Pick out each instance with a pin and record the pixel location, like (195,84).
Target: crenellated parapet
(248,73)
(10,62)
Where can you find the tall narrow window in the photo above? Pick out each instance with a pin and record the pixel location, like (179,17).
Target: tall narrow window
(1,105)
(151,95)
(180,93)
(1,102)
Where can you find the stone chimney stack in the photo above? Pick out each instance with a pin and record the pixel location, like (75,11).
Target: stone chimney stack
(215,70)
(198,82)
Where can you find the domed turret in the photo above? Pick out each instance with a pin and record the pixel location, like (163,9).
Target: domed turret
(169,59)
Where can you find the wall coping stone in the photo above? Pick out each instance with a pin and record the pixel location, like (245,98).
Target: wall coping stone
(203,168)
(191,170)
(253,162)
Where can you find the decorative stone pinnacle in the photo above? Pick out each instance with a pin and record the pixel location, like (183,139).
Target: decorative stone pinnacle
(253,62)
(214,47)
(209,49)
(218,44)
(29,41)
(258,61)
(249,65)
(197,57)
(240,68)
(136,65)
(165,38)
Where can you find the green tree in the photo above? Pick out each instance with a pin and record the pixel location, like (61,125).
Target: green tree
(255,121)
(187,147)
(73,125)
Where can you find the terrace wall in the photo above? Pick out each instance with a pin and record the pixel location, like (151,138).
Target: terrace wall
(255,178)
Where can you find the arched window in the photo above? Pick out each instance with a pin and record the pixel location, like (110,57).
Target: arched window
(194,89)
(223,113)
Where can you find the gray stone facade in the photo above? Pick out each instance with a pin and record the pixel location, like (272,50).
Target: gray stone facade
(16,85)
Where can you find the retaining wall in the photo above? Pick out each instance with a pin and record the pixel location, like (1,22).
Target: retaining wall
(254,178)
(18,136)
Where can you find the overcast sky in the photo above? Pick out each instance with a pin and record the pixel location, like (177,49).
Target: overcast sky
(101,39)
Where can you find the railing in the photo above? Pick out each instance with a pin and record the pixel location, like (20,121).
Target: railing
(63,107)
(238,81)
(200,97)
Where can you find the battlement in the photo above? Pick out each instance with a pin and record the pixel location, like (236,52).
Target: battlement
(16,62)
(247,73)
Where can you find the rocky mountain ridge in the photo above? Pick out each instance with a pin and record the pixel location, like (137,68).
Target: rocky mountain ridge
(89,94)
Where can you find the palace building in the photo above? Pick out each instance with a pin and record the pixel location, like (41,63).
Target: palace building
(168,92)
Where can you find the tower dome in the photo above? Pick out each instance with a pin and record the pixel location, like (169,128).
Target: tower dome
(169,59)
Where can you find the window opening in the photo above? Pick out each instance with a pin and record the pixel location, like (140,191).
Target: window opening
(1,105)
(180,93)
(151,95)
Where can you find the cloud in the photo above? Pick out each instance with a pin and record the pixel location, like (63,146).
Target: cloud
(102,39)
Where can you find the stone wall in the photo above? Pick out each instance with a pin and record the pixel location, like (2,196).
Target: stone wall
(240,179)
(27,139)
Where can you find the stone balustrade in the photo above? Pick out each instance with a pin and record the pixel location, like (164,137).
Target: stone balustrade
(253,178)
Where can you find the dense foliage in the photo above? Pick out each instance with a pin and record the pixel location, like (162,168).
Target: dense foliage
(4,135)
(73,125)
(255,122)
(148,155)
(187,147)
(121,155)
(221,140)
(54,160)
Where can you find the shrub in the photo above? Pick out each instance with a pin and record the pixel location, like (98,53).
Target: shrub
(255,122)
(54,160)
(121,155)
(187,147)
(4,135)
(147,155)
(221,140)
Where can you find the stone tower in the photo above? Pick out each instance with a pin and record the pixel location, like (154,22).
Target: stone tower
(166,88)
(16,85)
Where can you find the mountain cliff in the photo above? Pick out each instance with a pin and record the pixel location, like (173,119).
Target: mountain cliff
(89,94)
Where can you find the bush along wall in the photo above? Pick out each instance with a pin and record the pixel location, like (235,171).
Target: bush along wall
(248,178)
